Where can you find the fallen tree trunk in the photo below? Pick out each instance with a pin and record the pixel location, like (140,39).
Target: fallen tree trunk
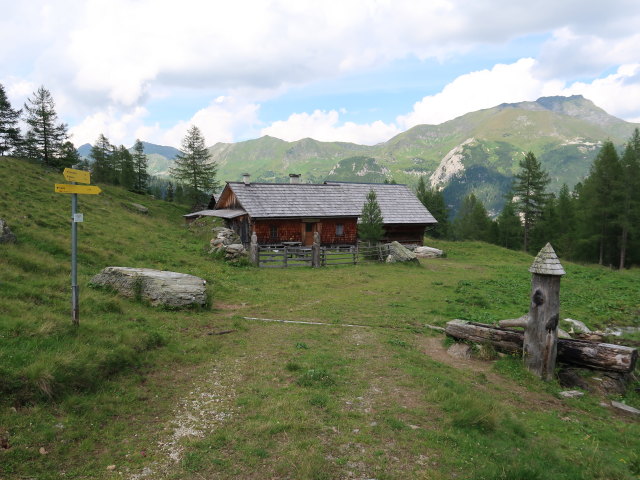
(515,322)
(600,356)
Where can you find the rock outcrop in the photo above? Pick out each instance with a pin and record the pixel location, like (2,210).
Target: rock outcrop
(227,241)
(159,287)
(399,253)
(6,235)
(428,252)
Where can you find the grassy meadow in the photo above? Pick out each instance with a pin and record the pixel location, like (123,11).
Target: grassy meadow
(140,392)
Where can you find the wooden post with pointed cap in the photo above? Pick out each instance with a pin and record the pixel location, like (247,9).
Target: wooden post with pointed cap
(541,334)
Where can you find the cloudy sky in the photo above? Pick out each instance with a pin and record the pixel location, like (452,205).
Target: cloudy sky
(348,70)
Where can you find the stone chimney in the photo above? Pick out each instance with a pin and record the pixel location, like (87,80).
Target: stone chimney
(245,178)
(294,178)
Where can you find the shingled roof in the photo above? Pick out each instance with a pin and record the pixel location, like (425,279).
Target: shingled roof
(277,200)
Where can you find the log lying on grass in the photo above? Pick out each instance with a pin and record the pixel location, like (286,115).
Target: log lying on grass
(600,356)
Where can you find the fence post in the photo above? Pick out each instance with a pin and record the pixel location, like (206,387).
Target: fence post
(541,334)
(285,257)
(315,251)
(254,255)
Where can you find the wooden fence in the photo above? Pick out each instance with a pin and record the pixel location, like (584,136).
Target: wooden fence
(283,256)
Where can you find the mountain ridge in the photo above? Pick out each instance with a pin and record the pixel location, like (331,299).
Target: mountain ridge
(485,146)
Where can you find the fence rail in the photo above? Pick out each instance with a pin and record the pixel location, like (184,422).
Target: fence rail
(285,256)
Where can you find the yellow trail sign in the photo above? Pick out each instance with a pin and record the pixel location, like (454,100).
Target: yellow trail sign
(81,189)
(80,176)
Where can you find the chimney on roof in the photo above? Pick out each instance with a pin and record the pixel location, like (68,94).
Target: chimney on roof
(294,178)
(245,178)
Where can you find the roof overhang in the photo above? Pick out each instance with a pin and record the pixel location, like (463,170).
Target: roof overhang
(221,213)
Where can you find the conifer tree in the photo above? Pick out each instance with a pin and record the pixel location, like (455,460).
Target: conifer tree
(126,171)
(103,168)
(529,192)
(629,214)
(600,200)
(566,234)
(371,224)
(170,193)
(509,233)
(140,166)
(472,221)
(9,130)
(193,167)
(45,136)
(69,156)
(433,200)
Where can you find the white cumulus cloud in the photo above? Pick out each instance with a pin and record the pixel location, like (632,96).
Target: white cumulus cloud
(325,126)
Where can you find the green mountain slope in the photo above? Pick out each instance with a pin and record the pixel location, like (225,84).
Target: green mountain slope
(477,152)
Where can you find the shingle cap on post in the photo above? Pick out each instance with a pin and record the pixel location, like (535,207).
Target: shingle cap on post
(547,263)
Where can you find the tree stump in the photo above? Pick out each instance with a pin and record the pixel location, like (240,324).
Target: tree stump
(541,333)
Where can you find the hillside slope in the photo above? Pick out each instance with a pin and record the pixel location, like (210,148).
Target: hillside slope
(563,132)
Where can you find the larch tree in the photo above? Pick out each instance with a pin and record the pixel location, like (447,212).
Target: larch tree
(193,167)
(9,131)
(45,135)
(529,192)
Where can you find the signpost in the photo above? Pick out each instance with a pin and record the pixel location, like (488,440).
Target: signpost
(74,176)
(81,189)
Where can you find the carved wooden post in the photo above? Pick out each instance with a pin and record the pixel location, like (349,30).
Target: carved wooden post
(541,333)
(315,250)
(253,250)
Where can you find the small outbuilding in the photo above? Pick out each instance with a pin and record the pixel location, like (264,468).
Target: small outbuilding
(290,213)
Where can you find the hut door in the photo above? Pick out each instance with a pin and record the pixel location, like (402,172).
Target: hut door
(309,229)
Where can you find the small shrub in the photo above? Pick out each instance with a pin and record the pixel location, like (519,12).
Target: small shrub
(302,346)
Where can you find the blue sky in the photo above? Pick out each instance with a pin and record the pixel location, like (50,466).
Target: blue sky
(347,70)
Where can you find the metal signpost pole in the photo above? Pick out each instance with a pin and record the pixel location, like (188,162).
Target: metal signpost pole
(75,309)
(75,177)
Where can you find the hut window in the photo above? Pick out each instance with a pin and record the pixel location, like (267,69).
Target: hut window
(339,229)
(273,231)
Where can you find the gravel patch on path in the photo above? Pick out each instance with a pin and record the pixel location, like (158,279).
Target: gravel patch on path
(209,403)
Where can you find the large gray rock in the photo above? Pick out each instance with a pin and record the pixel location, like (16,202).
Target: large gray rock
(6,235)
(428,252)
(159,287)
(228,242)
(398,253)
(576,325)
(136,207)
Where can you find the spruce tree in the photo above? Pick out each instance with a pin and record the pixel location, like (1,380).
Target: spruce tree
(9,130)
(45,136)
(566,235)
(509,233)
(140,165)
(102,169)
(193,167)
(434,201)
(600,203)
(472,221)
(169,193)
(529,193)
(69,156)
(126,173)
(371,224)
(629,213)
